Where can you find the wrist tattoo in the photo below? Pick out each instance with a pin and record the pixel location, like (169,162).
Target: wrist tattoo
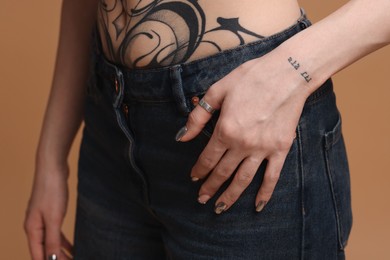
(296,66)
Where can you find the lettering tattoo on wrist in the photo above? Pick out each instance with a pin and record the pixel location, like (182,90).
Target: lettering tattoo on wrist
(294,63)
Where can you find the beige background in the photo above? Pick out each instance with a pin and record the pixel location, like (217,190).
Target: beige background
(29,31)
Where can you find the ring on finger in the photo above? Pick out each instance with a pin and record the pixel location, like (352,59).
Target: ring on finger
(206,106)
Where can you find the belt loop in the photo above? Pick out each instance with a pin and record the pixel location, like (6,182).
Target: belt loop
(177,89)
(303,21)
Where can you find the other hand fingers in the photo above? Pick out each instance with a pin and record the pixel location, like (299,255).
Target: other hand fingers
(64,256)
(53,238)
(35,233)
(66,245)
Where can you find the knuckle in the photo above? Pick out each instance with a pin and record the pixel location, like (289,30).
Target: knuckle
(207,188)
(244,178)
(272,178)
(52,246)
(206,162)
(254,160)
(284,143)
(229,197)
(226,132)
(56,221)
(247,143)
(222,173)
(194,119)
(265,194)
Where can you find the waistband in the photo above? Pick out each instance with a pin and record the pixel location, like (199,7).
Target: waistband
(155,84)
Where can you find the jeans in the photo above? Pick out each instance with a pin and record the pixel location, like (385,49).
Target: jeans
(135,196)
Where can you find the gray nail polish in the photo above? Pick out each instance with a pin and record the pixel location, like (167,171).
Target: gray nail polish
(53,257)
(181,133)
(260,206)
(220,207)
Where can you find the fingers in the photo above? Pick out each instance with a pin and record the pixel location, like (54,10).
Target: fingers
(67,247)
(219,175)
(271,177)
(34,229)
(240,182)
(198,117)
(65,257)
(208,159)
(53,238)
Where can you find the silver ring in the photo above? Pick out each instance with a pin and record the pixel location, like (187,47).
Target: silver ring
(206,106)
(53,257)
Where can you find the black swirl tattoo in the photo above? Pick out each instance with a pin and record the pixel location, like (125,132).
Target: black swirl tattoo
(169,30)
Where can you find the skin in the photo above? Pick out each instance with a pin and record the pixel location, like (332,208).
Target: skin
(241,136)
(48,201)
(142,33)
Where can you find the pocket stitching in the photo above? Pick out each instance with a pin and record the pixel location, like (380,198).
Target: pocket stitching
(331,139)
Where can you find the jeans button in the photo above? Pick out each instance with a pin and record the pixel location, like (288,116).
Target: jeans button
(125,110)
(116,86)
(195,100)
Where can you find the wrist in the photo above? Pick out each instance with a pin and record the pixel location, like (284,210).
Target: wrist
(308,78)
(291,78)
(51,162)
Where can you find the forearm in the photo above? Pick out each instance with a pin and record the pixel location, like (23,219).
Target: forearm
(64,109)
(355,30)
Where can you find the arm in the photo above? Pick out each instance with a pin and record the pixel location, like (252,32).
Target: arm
(47,205)
(355,30)
(240,138)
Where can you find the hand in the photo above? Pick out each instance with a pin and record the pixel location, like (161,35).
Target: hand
(45,214)
(260,105)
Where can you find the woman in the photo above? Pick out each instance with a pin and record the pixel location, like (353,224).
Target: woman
(234,96)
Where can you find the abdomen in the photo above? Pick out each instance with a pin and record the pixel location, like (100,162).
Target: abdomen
(156,33)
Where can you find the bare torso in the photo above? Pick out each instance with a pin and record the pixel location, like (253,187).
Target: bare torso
(155,33)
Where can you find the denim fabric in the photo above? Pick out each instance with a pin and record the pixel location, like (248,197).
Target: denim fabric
(135,196)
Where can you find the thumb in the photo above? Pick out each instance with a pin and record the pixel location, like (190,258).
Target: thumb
(200,115)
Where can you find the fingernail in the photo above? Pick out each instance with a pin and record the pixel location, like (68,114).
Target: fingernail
(181,133)
(194,179)
(260,206)
(53,257)
(220,207)
(203,199)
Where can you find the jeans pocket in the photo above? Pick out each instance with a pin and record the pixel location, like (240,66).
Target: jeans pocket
(339,180)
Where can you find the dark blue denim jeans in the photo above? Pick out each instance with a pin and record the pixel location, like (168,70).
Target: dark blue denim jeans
(135,196)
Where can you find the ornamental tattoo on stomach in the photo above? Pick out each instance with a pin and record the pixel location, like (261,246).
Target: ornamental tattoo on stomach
(156,33)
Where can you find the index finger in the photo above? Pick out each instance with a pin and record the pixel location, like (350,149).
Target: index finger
(209,158)
(197,120)
(201,114)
